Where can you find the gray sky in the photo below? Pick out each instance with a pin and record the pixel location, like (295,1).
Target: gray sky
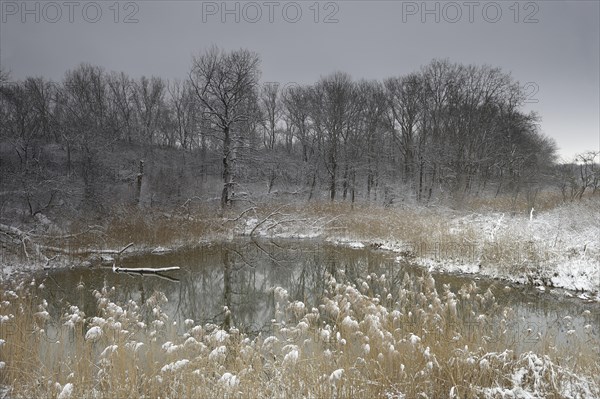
(551,47)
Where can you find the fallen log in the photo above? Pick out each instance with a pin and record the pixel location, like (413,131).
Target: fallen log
(144,269)
(132,272)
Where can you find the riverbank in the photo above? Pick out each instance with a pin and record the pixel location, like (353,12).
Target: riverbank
(557,247)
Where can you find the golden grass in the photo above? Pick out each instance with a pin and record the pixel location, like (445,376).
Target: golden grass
(379,338)
(521,203)
(438,233)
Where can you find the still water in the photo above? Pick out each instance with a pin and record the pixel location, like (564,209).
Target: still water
(240,276)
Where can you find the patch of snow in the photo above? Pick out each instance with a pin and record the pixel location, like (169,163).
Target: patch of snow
(169,347)
(161,250)
(109,350)
(93,334)
(414,340)
(218,354)
(356,245)
(229,380)
(134,346)
(336,376)
(66,391)
(220,336)
(172,367)
(291,357)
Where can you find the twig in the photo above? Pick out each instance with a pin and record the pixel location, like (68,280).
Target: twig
(285,221)
(239,216)
(275,212)
(125,247)
(275,260)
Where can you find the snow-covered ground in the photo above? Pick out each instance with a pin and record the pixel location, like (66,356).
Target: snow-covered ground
(558,248)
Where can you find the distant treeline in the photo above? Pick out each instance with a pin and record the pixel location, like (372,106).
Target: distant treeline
(445,130)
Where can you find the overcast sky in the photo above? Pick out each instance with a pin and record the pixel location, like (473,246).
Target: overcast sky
(551,47)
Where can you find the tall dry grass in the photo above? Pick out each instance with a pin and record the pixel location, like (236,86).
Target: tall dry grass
(376,339)
(498,243)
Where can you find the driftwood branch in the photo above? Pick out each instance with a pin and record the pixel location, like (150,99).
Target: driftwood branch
(133,271)
(144,269)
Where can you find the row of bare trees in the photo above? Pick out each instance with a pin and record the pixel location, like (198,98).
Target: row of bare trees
(445,129)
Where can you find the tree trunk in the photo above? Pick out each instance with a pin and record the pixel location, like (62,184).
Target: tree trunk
(420,193)
(332,185)
(345,184)
(140,176)
(352,189)
(227,170)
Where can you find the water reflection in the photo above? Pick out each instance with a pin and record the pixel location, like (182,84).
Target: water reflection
(231,284)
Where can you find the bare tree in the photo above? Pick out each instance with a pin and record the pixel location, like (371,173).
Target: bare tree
(576,177)
(84,118)
(333,105)
(270,108)
(122,102)
(373,107)
(223,82)
(404,97)
(186,112)
(19,122)
(149,101)
(297,102)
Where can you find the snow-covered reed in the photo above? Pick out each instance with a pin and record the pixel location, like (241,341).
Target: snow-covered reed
(373,338)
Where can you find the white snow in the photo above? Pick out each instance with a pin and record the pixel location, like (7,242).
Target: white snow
(66,391)
(134,346)
(220,336)
(355,245)
(218,354)
(169,347)
(335,376)
(188,322)
(93,334)
(559,247)
(350,324)
(229,380)
(172,367)
(161,250)
(414,340)
(291,358)
(109,350)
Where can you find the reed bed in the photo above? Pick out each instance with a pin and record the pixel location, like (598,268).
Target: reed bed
(378,337)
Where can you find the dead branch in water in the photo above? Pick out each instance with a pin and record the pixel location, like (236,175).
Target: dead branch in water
(144,272)
(144,269)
